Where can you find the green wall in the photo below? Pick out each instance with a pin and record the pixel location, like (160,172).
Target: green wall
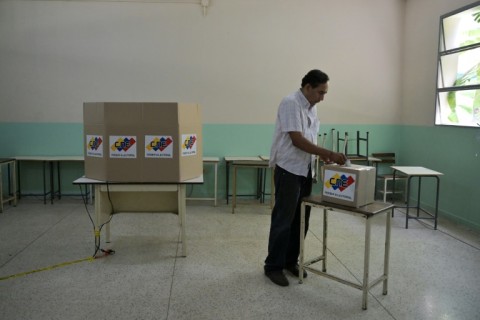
(455,152)
(450,150)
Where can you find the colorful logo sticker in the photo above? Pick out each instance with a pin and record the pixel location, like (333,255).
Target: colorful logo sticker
(339,185)
(158,147)
(123,146)
(94,146)
(189,145)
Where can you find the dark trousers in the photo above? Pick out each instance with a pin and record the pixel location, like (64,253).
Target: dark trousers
(284,239)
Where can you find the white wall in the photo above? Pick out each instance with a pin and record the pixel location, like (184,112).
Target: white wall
(238,61)
(421,49)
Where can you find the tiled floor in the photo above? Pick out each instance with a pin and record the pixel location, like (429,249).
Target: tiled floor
(433,274)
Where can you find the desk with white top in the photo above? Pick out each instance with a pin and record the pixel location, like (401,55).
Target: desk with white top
(261,163)
(12,182)
(369,160)
(211,161)
(229,161)
(369,212)
(114,197)
(418,172)
(47,161)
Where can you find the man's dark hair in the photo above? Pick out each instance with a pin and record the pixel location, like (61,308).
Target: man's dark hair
(315,78)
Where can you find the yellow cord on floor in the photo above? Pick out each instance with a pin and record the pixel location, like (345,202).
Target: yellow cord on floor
(46,268)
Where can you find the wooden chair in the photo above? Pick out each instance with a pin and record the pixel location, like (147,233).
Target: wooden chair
(388,158)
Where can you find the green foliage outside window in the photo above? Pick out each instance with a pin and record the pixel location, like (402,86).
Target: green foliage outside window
(458,99)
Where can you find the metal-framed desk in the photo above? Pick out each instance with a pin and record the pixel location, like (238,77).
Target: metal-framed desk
(12,182)
(418,172)
(114,197)
(256,160)
(212,161)
(369,212)
(47,161)
(260,163)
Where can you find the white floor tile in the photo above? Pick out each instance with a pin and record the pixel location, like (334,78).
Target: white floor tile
(433,274)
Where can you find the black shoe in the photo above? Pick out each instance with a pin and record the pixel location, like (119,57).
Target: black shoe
(277,277)
(295,272)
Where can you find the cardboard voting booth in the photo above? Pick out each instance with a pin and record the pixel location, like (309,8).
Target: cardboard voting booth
(352,186)
(142,142)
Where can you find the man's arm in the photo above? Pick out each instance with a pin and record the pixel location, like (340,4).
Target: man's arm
(304,144)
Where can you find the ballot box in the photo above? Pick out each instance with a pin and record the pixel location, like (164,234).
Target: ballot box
(352,185)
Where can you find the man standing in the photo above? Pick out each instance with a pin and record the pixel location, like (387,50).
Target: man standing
(293,149)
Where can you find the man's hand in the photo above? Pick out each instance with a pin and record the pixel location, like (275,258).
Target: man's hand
(336,157)
(299,141)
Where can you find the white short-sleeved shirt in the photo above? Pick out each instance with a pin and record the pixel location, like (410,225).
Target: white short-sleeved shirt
(294,114)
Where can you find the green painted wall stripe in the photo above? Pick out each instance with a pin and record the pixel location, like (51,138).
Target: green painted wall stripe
(453,151)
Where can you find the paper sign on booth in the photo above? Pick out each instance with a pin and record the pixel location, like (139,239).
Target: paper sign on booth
(158,146)
(94,146)
(123,147)
(189,144)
